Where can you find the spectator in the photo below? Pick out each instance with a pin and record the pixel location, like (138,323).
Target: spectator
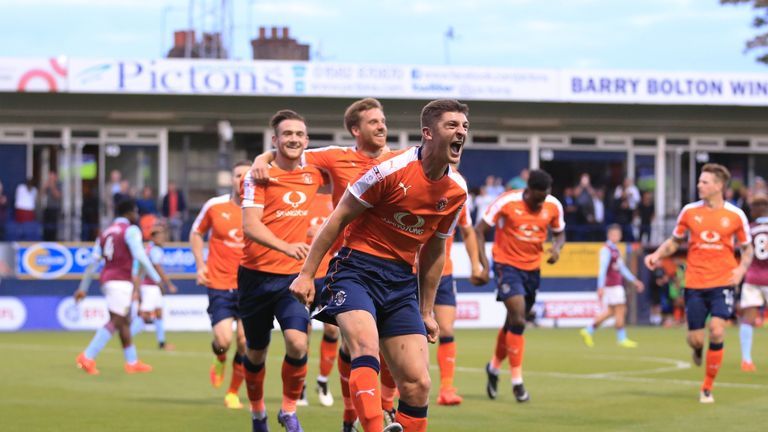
(520,181)
(571,210)
(492,187)
(483,200)
(90,214)
(173,210)
(3,212)
(583,194)
(24,201)
(597,229)
(647,211)
(630,191)
(114,182)
(123,192)
(147,203)
(52,211)
(624,213)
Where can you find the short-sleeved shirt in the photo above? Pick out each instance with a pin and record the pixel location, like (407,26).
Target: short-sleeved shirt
(521,233)
(344,164)
(118,260)
(222,219)
(465,220)
(758,270)
(405,208)
(318,213)
(286,200)
(711,258)
(155,254)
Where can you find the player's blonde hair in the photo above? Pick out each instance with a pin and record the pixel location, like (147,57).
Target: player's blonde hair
(719,171)
(352,114)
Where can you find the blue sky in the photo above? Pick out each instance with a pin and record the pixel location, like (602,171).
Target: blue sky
(684,35)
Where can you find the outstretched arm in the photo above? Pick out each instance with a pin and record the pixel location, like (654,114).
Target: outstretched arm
(481,228)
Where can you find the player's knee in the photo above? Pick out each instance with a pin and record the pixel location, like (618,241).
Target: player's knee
(330,331)
(414,388)
(296,344)
(256,357)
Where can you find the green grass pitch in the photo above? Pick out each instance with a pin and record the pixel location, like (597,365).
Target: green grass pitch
(573,388)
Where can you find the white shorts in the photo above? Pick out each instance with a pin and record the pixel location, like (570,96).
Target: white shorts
(118,295)
(753,295)
(614,296)
(151,298)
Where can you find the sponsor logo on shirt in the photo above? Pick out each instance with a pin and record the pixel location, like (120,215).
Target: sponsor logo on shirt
(293,199)
(407,222)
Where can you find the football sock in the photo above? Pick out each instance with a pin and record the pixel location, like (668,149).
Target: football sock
(515,351)
(590,329)
(413,419)
(714,358)
(254,383)
(500,352)
(745,335)
(99,341)
(160,330)
(238,373)
(130,354)
(328,347)
(446,359)
(137,325)
(345,365)
(388,386)
(294,371)
(621,334)
(364,388)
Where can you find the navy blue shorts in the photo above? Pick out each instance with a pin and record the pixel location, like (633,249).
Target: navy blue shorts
(511,281)
(702,303)
(316,300)
(446,292)
(263,297)
(387,289)
(222,304)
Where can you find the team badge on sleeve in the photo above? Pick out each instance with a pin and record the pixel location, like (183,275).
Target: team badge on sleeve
(441,204)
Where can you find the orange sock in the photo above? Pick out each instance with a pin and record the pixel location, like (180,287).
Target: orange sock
(345,366)
(714,359)
(412,419)
(294,372)
(515,351)
(364,388)
(254,383)
(388,386)
(328,349)
(238,374)
(446,359)
(500,353)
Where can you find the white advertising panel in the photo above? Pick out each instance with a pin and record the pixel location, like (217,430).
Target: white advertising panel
(33,75)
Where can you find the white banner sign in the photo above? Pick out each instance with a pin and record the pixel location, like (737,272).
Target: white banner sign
(33,75)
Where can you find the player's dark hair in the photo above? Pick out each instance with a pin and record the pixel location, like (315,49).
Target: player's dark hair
(283,115)
(539,180)
(241,162)
(352,114)
(759,199)
(718,171)
(125,206)
(432,111)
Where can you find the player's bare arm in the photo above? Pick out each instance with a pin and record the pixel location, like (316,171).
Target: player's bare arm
(670,246)
(167,285)
(260,167)
(470,243)
(256,231)
(198,243)
(431,263)
(558,241)
(481,228)
(747,253)
(349,208)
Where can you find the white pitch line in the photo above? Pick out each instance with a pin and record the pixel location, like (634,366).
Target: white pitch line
(618,376)
(624,376)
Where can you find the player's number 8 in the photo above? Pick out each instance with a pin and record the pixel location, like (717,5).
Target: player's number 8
(761,246)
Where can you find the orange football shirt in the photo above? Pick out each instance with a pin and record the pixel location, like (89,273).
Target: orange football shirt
(520,233)
(223,221)
(405,208)
(319,211)
(711,258)
(286,200)
(465,220)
